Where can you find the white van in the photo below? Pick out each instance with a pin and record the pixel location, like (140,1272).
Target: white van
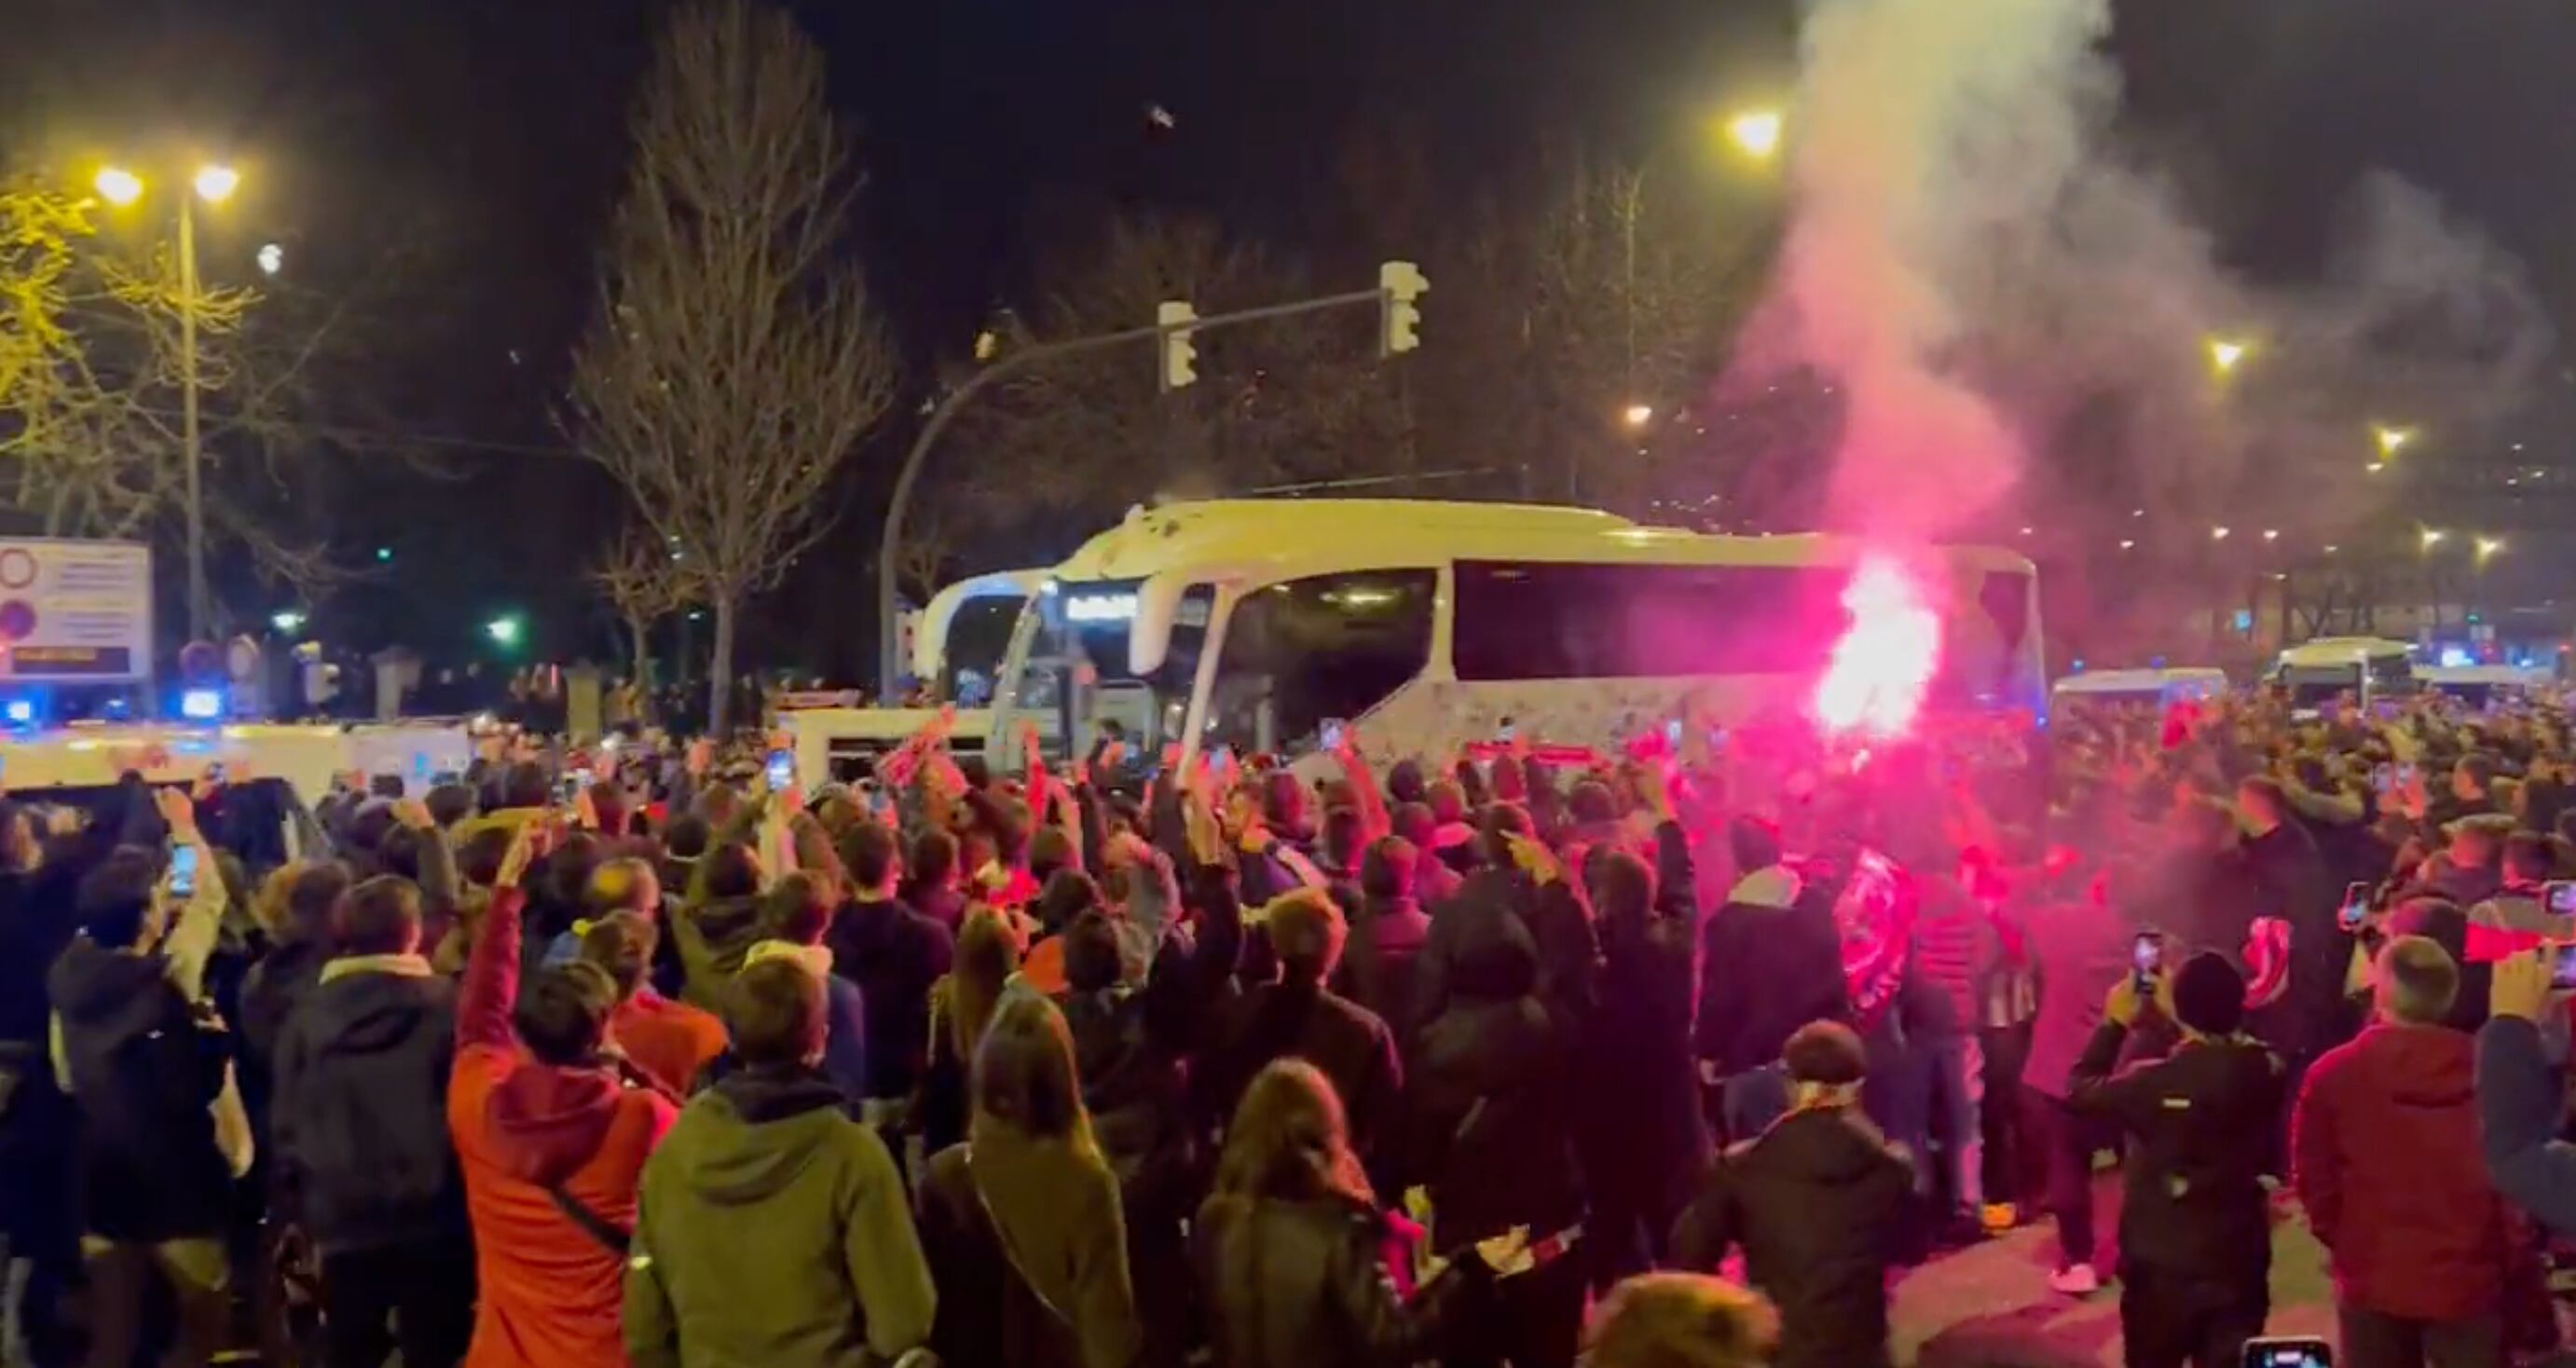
(2369,668)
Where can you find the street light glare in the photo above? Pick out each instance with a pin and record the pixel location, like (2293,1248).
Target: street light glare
(117,185)
(2392,438)
(504,631)
(271,258)
(2218,534)
(2488,546)
(215,184)
(287,620)
(1639,415)
(2224,354)
(2433,537)
(1756,132)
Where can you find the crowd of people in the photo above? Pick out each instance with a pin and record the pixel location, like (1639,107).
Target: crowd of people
(1672,1057)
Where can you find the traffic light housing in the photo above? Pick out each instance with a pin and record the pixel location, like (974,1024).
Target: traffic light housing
(1403,285)
(1180,353)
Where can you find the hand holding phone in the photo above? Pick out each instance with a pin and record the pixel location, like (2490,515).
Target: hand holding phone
(781,771)
(183,870)
(2355,908)
(2559,896)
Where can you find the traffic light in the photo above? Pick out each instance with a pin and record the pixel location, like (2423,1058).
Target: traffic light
(1180,354)
(1403,285)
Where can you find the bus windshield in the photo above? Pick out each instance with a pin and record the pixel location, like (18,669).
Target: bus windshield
(1069,665)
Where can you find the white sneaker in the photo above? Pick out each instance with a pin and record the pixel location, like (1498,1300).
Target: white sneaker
(2078,1281)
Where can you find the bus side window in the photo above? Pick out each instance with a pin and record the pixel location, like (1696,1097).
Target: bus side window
(1334,646)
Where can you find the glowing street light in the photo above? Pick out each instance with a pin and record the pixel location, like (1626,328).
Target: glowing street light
(2218,534)
(2224,353)
(287,621)
(1638,415)
(117,185)
(2127,544)
(2431,537)
(504,631)
(1756,132)
(216,183)
(2271,534)
(2488,547)
(271,258)
(2391,439)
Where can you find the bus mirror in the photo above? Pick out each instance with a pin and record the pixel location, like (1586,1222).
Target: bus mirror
(1149,637)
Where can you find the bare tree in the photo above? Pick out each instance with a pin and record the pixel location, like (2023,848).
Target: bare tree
(645,581)
(735,360)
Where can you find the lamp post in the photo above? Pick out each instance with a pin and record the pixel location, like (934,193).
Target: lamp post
(214,183)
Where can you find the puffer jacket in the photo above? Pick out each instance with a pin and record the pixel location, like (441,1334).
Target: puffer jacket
(1815,1202)
(1293,1284)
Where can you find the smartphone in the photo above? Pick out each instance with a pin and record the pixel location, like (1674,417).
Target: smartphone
(2559,896)
(2356,906)
(183,871)
(2562,968)
(782,771)
(1334,729)
(567,790)
(2288,1352)
(2147,956)
(1506,732)
(215,772)
(1673,735)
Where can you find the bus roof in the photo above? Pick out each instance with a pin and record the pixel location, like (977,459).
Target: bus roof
(2141,681)
(1229,537)
(2343,651)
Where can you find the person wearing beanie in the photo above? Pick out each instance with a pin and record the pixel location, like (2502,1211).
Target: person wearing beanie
(2416,1237)
(1816,1201)
(2195,1228)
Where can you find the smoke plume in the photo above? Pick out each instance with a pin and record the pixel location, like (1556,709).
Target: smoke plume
(2014,310)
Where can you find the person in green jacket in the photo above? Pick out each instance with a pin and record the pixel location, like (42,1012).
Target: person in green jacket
(773,1228)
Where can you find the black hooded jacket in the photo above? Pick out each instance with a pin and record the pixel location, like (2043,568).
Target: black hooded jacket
(1816,1203)
(143,1075)
(1491,1115)
(360,1117)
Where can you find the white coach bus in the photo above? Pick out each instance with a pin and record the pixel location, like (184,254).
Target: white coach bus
(1251,624)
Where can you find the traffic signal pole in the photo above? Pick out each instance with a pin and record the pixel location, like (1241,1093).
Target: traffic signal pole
(1396,296)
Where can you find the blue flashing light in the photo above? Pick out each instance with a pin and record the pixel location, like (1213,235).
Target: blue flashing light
(201,705)
(21,712)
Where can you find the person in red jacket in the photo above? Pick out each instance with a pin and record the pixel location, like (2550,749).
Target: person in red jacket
(2385,1143)
(552,1141)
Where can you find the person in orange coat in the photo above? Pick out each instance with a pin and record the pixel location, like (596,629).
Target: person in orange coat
(670,1041)
(552,1137)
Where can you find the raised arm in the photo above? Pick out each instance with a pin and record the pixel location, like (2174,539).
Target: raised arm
(491,987)
(192,937)
(1364,790)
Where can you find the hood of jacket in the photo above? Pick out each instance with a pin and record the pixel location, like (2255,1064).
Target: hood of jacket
(2419,1066)
(547,1121)
(366,1007)
(816,959)
(93,986)
(729,925)
(1488,1046)
(1826,1146)
(1494,957)
(1770,886)
(750,1136)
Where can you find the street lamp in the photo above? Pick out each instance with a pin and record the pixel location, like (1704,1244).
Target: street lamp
(271,258)
(1638,415)
(214,183)
(2218,534)
(504,631)
(287,621)
(1756,132)
(2430,538)
(2224,354)
(2488,547)
(2390,439)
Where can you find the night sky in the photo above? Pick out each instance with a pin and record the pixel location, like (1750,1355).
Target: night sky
(477,144)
